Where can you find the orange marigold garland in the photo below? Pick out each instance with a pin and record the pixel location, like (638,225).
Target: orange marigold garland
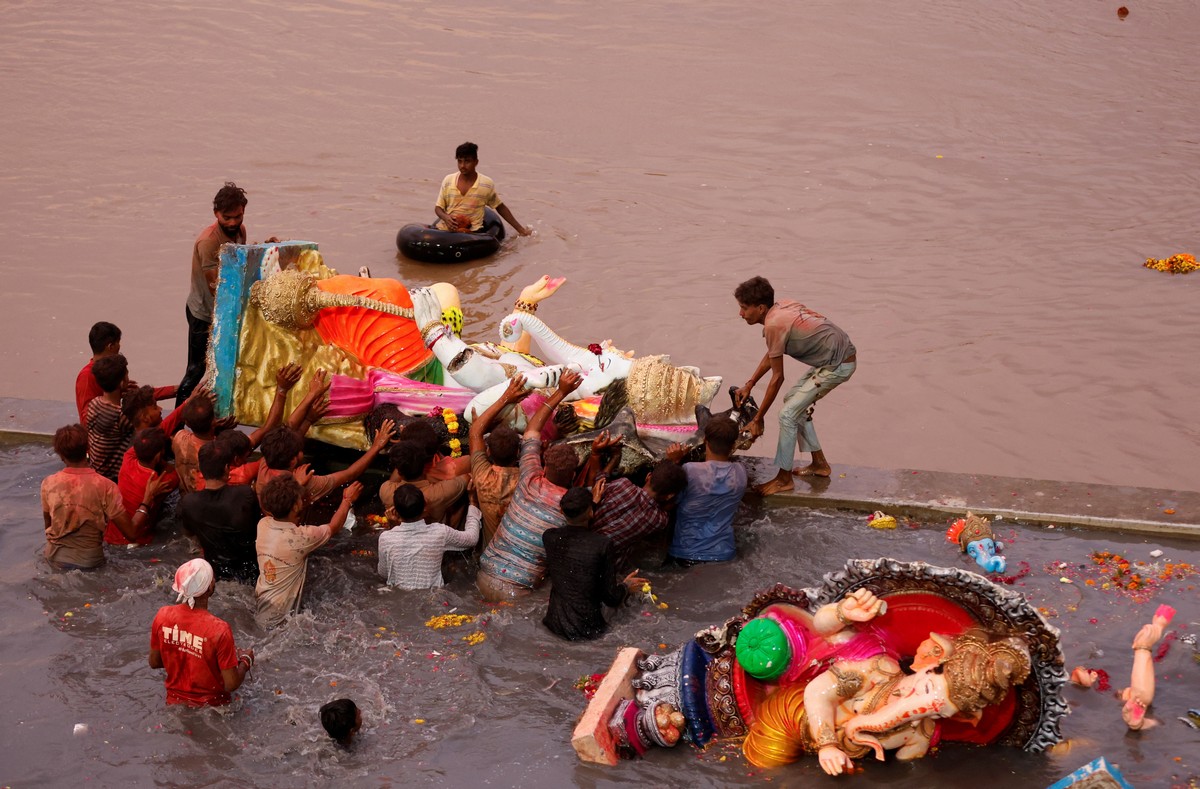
(1176,264)
(452,426)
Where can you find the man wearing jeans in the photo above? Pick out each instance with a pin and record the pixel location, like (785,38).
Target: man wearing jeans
(791,328)
(229,207)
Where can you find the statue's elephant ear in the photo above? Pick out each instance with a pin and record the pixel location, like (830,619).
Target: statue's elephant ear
(702,417)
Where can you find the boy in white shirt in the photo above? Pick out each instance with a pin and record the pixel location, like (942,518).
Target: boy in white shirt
(410,552)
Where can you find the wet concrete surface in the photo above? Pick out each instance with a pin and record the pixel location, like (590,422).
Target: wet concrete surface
(909,493)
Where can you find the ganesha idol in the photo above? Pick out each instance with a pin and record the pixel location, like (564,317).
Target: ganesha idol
(384,343)
(884,656)
(975,538)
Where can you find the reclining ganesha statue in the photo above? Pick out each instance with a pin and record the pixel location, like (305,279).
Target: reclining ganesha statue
(885,657)
(392,331)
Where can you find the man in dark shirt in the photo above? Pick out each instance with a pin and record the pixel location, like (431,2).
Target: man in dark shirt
(223,518)
(582,572)
(628,515)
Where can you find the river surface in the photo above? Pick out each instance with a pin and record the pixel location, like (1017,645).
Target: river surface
(968,189)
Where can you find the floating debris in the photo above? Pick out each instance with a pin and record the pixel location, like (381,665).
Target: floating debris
(1176,264)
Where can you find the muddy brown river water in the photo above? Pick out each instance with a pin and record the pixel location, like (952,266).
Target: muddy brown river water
(968,189)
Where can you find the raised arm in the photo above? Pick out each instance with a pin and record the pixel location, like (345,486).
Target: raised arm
(286,378)
(515,393)
(349,496)
(568,382)
(467,538)
(355,470)
(317,387)
(132,527)
(601,445)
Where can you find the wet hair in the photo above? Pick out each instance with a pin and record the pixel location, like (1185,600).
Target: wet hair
(575,503)
(721,435)
(560,463)
(110,371)
(198,415)
(280,446)
(409,502)
(71,443)
(340,719)
(213,460)
(503,446)
(135,400)
(468,150)
(280,496)
(148,444)
(102,335)
(229,196)
(236,442)
(408,458)
(753,291)
(424,435)
(668,478)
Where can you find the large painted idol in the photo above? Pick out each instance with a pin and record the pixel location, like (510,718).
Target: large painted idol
(382,342)
(884,656)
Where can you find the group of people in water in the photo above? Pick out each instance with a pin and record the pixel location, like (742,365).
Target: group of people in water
(532,511)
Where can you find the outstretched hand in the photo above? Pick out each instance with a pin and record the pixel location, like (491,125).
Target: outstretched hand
(352,492)
(384,436)
(569,381)
(155,487)
(288,376)
(604,442)
(633,582)
(303,474)
(319,383)
(516,391)
(598,490)
(677,452)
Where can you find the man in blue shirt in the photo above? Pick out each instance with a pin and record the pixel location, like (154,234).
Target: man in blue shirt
(704,516)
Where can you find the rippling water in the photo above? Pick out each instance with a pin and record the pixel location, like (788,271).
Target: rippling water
(663,152)
(440,711)
(968,189)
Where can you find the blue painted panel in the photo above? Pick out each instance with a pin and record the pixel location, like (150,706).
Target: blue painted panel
(240,268)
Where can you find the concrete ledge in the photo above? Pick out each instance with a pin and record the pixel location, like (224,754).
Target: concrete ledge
(936,495)
(925,495)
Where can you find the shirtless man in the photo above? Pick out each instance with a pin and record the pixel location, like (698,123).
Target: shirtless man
(465,193)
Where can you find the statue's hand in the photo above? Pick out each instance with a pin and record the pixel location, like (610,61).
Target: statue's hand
(1148,636)
(861,605)
(834,761)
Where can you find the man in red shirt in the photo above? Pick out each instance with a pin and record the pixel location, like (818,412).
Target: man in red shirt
(105,340)
(144,481)
(196,648)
